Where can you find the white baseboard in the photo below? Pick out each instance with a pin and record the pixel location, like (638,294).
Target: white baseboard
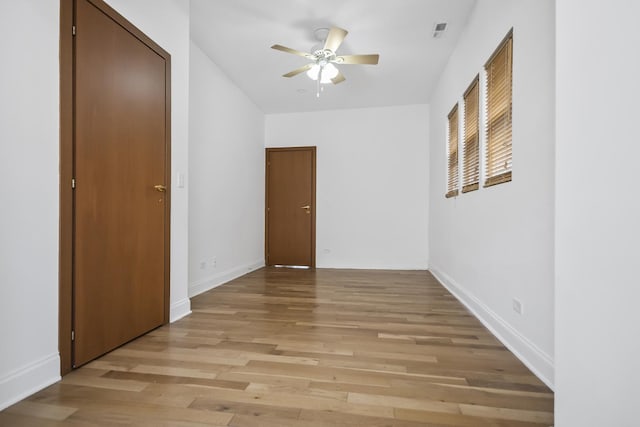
(539,362)
(211,282)
(179,309)
(28,379)
(323,262)
(395,267)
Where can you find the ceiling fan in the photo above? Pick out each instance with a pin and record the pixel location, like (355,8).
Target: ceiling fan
(322,68)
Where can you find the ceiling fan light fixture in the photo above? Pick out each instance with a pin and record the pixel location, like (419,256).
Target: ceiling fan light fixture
(329,71)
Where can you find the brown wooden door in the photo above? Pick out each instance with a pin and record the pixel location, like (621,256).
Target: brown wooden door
(291,182)
(120,218)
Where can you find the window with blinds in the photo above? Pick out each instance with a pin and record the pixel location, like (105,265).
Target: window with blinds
(471,162)
(498,118)
(452,154)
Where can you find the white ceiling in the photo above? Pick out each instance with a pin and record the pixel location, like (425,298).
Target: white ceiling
(237,36)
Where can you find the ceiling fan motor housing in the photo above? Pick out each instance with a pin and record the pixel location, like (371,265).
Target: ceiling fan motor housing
(324,56)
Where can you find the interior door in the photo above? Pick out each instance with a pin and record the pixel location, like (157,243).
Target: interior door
(290,216)
(121,195)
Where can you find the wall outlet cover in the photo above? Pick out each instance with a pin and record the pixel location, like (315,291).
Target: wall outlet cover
(517,306)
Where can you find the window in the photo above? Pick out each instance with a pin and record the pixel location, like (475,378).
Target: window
(498,107)
(452,182)
(471,162)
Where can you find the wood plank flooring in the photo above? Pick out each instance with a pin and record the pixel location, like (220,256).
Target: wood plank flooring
(309,348)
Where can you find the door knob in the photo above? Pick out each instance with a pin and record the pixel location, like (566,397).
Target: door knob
(160,188)
(306,208)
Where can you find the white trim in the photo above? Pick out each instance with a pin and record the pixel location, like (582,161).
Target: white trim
(179,309)
(539,362)
(413,267)
(28,379)
(211,282)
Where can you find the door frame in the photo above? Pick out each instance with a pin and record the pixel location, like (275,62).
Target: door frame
(313,150)
(67,118)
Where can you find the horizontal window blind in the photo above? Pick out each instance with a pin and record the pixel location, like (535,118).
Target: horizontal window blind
(471,162)
(452,154)
(498,119)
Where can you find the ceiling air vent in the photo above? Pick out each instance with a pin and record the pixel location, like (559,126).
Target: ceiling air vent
(439,29)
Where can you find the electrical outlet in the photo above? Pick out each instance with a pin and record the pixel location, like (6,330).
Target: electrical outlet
(517,306)
(213,262)
(203,265)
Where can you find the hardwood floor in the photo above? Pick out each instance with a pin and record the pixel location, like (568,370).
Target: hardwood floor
(279,348)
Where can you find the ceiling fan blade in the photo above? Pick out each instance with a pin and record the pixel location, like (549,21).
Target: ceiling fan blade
(298,70)
(289,50)
(358,59)
(335,38)
(338,79)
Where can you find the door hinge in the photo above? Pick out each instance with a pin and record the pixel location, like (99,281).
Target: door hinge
(73,335)
(73,30)
(73,183)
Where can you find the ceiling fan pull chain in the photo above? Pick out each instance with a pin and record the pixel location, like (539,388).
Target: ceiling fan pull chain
(319,80)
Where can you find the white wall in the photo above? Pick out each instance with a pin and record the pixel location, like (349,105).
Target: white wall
(167,23)
(226,195)
(29,145)
(495,244)
(597,214)
(372,183)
